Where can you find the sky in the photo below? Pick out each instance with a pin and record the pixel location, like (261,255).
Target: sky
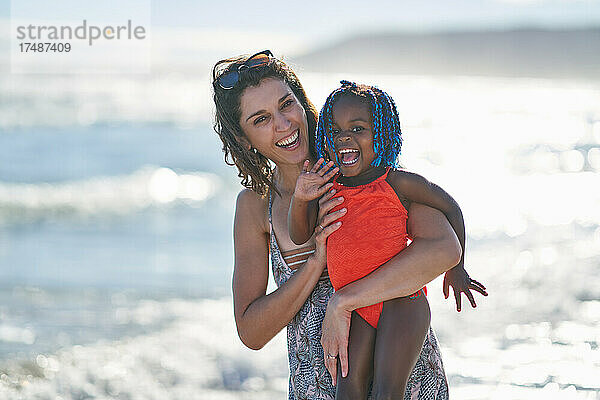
(348,15)
(196,30)
(330,18)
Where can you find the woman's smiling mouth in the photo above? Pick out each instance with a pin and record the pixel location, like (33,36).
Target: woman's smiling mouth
(289,142)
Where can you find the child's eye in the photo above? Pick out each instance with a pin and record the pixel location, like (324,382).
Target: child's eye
(335,132)
(357,129)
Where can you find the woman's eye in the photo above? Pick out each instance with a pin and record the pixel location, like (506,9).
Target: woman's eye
(287,103)
(260,119)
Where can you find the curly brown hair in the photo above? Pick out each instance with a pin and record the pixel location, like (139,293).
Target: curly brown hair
(255,169)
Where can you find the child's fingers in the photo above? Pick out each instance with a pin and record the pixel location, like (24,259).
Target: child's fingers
(478,283)
(331,173)
(471,299)
(305,166)
(458,299)
(478,289)
(475,283)
(325,168)
(317,165)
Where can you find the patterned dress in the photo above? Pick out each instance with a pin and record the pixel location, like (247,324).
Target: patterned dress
(309,378)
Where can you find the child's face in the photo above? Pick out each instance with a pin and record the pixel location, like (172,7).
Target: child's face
(352,133)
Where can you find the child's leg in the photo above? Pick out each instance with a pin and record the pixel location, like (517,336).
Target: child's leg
(361,343)
(401,330)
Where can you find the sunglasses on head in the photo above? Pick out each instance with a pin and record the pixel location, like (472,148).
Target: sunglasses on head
(229,79)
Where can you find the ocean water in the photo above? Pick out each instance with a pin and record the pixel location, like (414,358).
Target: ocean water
(116,247)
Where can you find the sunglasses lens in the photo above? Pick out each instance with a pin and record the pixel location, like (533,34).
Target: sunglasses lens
(228,80)
(258,61)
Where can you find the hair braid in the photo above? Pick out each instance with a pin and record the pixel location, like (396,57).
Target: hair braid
(387,135)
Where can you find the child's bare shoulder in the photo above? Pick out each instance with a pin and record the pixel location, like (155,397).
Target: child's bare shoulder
(405,181)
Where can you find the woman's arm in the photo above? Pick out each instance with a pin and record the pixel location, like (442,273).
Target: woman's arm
(419,190)
(258,316)
(434,250)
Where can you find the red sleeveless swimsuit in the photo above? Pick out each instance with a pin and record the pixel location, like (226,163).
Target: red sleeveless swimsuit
(373,231)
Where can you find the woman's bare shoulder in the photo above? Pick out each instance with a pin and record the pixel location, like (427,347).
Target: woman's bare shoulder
(252,208)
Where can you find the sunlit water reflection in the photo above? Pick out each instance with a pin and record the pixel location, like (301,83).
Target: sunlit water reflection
(115,250)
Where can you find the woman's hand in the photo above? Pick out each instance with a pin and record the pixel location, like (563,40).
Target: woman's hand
(334,338)
(326,222)
(336,325)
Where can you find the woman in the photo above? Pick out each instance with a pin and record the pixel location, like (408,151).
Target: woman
(263,118)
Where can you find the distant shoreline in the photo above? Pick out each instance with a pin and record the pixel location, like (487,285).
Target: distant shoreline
(538,53)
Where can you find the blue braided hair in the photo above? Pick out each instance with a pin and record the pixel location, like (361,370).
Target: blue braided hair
(387,136)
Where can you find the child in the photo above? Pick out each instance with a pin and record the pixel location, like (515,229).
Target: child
(359,129)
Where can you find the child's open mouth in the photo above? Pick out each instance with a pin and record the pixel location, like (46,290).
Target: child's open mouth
(349,156)
(289,141)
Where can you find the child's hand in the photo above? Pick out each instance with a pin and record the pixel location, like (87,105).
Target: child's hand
(460,281)
(313,184)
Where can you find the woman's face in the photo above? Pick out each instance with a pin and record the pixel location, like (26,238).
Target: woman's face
(275,122)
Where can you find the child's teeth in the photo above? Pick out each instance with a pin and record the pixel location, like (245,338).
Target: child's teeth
(349,156)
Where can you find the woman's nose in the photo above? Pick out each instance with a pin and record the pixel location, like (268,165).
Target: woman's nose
(282,123)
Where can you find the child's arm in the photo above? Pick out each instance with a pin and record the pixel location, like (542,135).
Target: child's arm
(418,189)
(304,207)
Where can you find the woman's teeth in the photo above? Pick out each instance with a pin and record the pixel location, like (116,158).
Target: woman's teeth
(349,156)
(289,141)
